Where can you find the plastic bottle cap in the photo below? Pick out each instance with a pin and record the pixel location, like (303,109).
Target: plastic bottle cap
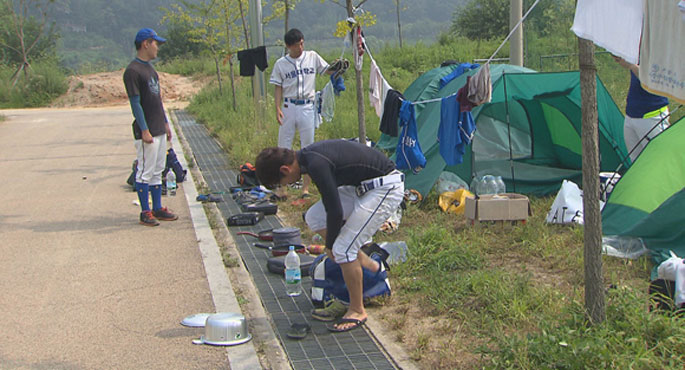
(292,248)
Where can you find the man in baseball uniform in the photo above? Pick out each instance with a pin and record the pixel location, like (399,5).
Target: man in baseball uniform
(294,80)
(150,129)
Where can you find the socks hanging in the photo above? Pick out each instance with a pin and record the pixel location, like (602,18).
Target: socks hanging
(143,197)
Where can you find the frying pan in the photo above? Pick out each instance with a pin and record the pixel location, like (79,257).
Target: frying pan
(280,250)
(264,235)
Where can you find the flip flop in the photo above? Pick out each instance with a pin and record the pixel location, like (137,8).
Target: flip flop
(298,330)
(345,320)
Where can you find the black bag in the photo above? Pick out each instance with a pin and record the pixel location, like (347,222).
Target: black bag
(173,164)
(247,176)
(265,207)
(132,177)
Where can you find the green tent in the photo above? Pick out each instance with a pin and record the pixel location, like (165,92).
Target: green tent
(649,199)
(533,118)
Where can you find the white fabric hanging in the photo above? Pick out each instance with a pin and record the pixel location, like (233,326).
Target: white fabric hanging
(615,25)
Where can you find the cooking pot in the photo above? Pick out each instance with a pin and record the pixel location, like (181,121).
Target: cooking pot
(225,329)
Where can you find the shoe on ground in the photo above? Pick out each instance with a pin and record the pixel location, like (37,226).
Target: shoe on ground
(163,214)
(148,219)
(333,310)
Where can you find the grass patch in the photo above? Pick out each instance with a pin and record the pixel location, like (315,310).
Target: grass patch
(501,296)
(45,82)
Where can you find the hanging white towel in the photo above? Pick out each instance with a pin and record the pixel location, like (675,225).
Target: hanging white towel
(378,88)
(662,52)
(615,25)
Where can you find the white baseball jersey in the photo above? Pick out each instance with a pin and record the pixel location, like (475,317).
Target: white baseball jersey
(297,77)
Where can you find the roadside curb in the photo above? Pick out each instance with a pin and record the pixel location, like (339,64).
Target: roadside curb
(236,280)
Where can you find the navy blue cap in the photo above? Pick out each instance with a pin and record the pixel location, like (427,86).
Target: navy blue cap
(148,33)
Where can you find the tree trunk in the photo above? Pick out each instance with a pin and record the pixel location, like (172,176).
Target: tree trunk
(286,15)
(242,17)
(594,282)
(230,71)
(399,25)
(360,82)
(218,74)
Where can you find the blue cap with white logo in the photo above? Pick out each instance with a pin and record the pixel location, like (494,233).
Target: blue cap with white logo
(148,33)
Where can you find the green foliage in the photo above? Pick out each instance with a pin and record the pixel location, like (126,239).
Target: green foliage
(24,22)
(45,82)
(188,66)
(630,338)
(489,19)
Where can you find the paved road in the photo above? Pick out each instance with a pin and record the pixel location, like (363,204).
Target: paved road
(82,285)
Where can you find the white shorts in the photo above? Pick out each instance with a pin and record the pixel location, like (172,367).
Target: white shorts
(297,117)
(151,160)
(635,129)
(363,217)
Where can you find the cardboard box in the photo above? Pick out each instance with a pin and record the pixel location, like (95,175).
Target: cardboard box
(502,207)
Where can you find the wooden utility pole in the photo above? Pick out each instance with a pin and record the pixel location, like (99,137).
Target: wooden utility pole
(594,282)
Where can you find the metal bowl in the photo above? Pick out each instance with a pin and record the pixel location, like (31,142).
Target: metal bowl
(225,329)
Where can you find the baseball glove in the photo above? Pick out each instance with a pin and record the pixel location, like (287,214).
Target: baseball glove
(339,66)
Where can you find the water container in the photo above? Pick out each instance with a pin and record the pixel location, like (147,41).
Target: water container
(488,185)
(501,187)
(293,275)
(171,183)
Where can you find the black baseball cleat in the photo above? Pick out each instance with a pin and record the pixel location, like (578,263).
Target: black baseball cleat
(148,219)
(163,214)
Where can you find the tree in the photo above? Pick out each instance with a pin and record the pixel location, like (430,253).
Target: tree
(489,19)
(213,25)
(594,286)
(398,8)
(282,8)
(22,32)
(344,28)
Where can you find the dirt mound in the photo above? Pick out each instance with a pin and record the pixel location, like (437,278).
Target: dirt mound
(107,88)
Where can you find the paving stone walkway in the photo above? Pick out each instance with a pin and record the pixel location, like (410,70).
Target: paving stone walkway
(320,349)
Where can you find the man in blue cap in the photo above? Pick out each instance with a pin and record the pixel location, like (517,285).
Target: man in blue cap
(151,127)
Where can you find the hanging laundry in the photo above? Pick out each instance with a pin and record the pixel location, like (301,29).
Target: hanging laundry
(615,25)
(358,49)
(249,58)
(463,67)
(408,151)
(378,88)
(327,102)
(455,131)
(480,86)
(462,97)
(391,112)
(662,70)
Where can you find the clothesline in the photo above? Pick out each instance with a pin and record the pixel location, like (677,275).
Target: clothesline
(368,51)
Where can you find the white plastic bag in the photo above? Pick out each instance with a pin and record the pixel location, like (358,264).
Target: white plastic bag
(667,269)
(568,205)
(449,181)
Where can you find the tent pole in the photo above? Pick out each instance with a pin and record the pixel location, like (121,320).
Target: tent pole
(506,109)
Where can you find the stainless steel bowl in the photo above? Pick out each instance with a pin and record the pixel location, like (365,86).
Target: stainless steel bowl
(225,329)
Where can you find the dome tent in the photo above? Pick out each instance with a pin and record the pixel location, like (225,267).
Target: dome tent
(533,118)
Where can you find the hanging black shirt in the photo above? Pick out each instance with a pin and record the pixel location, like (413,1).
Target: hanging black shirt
(250,57)
(391,111)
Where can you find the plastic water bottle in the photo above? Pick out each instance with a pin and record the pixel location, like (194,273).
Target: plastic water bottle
(501,187)
(293,275)
(171,183)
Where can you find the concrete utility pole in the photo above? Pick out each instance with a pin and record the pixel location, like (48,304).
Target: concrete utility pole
(594,281)
(257,39)
(516,41)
